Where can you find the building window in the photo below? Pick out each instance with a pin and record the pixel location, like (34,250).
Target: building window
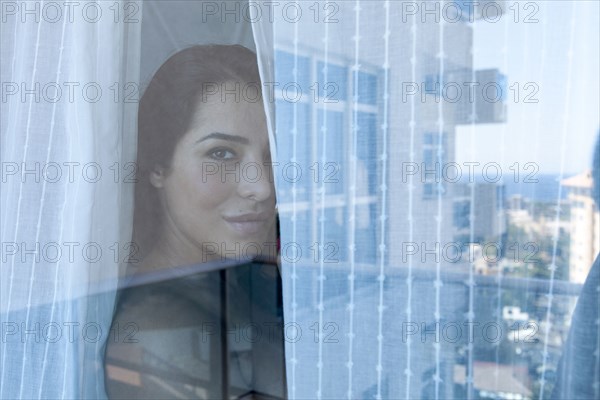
(434,159)
(334,98)
(461,212)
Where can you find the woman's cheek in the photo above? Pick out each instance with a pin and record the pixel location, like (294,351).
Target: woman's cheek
(212,189)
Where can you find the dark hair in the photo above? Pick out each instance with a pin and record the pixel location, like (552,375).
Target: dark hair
(166,112)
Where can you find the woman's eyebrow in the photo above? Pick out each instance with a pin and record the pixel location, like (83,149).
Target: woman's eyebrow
(225,136)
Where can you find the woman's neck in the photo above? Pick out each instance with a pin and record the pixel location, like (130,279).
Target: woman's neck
(172,250)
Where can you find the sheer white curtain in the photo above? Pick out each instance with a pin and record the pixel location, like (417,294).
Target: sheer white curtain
(69,101)
(422,150)
(403,277)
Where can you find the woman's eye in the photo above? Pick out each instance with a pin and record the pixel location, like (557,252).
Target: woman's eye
(222,154)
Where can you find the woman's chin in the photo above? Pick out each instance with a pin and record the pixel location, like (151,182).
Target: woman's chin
(247,228)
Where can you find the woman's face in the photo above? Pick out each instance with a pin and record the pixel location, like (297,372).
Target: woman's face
(218,196)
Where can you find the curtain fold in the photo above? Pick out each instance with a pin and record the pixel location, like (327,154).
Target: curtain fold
(70,89)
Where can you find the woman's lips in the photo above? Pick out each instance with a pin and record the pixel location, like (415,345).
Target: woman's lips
(249,223)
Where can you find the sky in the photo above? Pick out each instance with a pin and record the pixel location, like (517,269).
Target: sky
(557,133)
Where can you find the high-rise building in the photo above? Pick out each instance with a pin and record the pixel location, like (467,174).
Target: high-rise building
(397,180)
(488,202)
(585,226)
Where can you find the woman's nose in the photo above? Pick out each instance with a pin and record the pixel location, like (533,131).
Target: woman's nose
(256,181)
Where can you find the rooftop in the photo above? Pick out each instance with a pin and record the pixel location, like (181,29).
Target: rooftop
(583,180)
(509,379)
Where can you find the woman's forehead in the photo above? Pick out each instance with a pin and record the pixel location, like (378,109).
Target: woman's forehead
(240,118)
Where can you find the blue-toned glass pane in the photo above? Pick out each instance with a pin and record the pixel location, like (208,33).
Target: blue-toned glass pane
(500,196)
(334,242)
(428,138)
(297,172)
(330,170)
(503,85)
(284,75)
(433,138)
(429,158)
(367,88)
(332,86)
(367,149)
(366,247)
(428,189)
(461,213)
(432,84)
(461,10)
(296,249)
